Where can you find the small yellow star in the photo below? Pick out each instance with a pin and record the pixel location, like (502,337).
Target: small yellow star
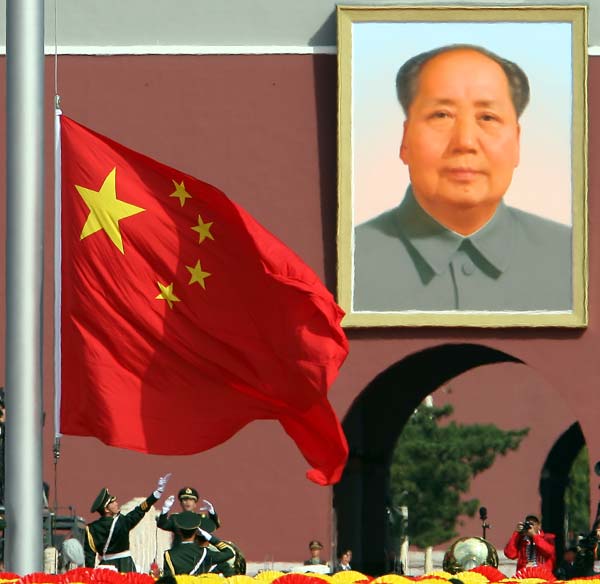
(198,275)
(166,293)
(180,193)
(203,229)
(106,210)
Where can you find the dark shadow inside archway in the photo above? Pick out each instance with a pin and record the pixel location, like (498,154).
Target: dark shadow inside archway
(554,481)
(372,426)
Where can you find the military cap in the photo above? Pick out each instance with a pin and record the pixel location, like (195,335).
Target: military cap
(188,493)
(102,500)
(187,520)
(315,545)
(207,523)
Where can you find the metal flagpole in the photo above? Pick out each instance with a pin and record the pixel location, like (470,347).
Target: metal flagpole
(57,262)
(57,288)
(24,266)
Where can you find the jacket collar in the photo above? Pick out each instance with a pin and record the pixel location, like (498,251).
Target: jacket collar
(436,244)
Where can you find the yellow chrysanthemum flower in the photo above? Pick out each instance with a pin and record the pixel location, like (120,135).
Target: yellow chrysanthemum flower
(348,577)
(325,577)
(186,579)
(268,575)
(430,580)
(471,577)
(391,579)
(240,579)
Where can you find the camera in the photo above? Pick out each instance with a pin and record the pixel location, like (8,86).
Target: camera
(527,525)
(589,541)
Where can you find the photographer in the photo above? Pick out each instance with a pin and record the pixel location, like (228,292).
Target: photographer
(587,557)
(530,546)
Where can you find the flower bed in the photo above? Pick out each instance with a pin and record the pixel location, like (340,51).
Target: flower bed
(480,575)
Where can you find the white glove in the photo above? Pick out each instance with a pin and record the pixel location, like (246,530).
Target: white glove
(209,506)
(207,536)
(168,504)
(162,483)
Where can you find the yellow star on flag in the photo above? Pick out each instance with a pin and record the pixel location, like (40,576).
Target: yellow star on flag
(198,275)
(203,229)
(106,210)
(180,193)
(166,293)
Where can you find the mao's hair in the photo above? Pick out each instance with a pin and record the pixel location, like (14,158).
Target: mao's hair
(407,79)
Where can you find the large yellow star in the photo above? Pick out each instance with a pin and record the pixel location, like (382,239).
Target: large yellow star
(198,275)
(203,229)
(166,293)
(180,193)
(106,210)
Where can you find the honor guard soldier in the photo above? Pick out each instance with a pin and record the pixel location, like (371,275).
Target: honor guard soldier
(189,557)
(188,499)
(108,537)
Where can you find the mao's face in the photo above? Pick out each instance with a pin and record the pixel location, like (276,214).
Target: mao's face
(461,138)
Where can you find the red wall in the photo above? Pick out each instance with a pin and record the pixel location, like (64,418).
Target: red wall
(263,129)
(511,396)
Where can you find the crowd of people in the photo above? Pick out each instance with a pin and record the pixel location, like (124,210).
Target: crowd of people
(529,545)
(197,550)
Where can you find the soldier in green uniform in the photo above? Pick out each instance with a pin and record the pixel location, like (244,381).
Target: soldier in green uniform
(188,499)
(108,537)
(190,557)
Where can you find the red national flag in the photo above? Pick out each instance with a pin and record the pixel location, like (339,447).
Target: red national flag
(183,319)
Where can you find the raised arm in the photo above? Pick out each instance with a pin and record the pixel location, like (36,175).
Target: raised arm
(137,513)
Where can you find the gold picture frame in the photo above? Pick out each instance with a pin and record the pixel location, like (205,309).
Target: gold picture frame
(374,285)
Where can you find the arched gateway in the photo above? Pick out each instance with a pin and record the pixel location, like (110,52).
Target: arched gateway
(373,425)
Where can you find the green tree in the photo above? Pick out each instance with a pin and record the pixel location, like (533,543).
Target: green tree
(432,466)
(577,494)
